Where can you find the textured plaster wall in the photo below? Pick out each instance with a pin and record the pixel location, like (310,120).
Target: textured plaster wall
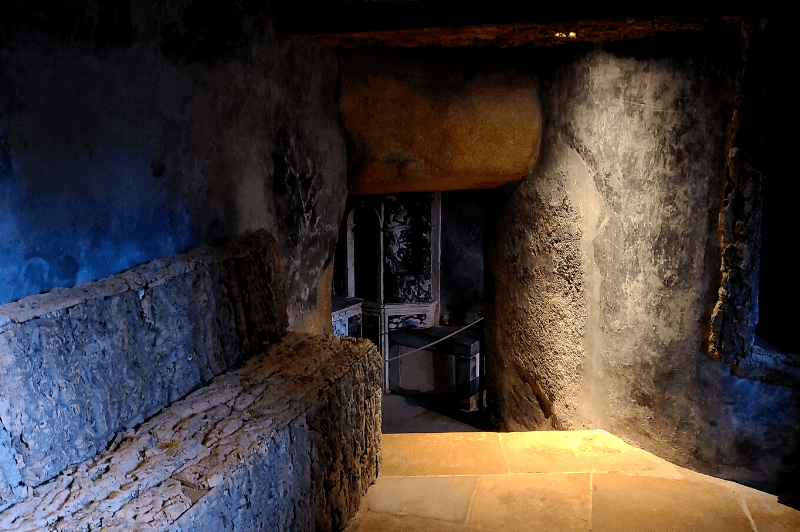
(128,139)
(605,265)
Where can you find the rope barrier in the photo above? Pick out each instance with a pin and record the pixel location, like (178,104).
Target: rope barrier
(435,342)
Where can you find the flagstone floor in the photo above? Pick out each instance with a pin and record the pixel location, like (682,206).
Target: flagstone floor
(543,481)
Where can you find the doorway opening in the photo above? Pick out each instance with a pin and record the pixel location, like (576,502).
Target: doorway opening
(414,265)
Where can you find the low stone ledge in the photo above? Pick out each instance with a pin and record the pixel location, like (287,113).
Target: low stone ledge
(79,364)
(288,441)
(770,366)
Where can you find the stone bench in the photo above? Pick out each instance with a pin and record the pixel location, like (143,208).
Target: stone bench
(78,365)
(287,441)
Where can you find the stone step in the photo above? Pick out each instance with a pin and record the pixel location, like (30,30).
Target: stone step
(288,441)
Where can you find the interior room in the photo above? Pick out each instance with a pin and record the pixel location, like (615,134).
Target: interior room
(231,231)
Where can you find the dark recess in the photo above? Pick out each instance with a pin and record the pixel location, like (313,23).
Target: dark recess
(779,290)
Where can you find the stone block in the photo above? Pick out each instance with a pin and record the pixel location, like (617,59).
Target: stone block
(420,127)
(288,441)
(72,376)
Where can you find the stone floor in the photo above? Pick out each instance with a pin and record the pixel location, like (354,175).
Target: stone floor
(577,480)
(403,414)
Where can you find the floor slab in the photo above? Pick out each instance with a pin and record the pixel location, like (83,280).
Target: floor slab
(403,414)
(374,522)
(769,515)
(442,498)
(576,451)
(641,503)
(455,453)
(544,502)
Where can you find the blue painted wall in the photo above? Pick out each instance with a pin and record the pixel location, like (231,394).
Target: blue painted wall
(92,173)
(73,215)
(114,154)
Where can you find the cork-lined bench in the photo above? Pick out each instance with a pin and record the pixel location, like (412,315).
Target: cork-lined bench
(288,441)
(97,429)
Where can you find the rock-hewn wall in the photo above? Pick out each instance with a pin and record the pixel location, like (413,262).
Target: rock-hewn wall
(79,364)
(536,311)
(125,138)
(289,441)
(605,266)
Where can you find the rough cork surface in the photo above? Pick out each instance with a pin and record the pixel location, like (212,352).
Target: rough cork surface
(735,314)
(606,264)
(79,364)
(424,126)
(288,441)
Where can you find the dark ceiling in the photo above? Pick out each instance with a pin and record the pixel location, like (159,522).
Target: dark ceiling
(454,24)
